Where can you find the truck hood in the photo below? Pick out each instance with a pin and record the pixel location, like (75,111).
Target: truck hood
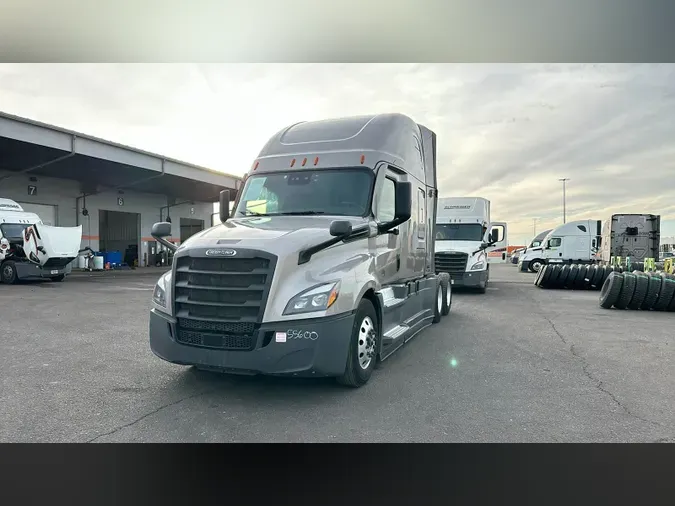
(269,232)
(42,243)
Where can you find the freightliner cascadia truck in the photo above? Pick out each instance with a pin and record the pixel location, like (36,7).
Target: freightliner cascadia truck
(325,265)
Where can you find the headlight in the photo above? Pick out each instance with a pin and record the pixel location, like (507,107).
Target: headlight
(478,266)
(159,294)
(319,298)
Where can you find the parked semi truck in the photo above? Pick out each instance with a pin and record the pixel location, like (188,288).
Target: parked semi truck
(29,249)
(325,265)
(531,252)
(465,237)
(588,241)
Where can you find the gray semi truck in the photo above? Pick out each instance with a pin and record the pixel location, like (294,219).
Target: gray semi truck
(324,266)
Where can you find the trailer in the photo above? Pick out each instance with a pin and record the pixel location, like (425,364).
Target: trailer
(325,266)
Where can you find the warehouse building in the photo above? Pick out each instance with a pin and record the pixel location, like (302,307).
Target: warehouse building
(115,192)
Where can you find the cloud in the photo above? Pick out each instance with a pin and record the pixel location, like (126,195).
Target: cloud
(506,132)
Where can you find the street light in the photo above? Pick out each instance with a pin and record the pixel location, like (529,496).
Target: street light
(564,181)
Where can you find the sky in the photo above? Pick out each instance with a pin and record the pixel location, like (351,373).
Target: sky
(506,132)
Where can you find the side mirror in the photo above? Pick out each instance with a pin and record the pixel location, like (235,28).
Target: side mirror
(224,205)
(340,228)
(403,206)
(494,235)
(161,229)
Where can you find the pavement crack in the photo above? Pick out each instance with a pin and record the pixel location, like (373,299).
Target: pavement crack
(599,385)
(146,415)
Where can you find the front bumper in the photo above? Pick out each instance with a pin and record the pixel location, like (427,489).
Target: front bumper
(469,279)
(27,270)
(524,265)
(313,348)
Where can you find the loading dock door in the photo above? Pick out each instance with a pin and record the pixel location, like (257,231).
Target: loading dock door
(46,212)
(189,227)
(119,231)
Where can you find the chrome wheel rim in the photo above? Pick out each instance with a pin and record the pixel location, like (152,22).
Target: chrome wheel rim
(448,296)
(366,343)
(536,266)
(439,299)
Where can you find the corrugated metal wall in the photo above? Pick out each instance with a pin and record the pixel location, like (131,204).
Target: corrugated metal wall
(117,229)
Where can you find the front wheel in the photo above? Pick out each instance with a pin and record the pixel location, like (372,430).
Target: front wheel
(482,288)
(535,265)
(8,273)
(58,278)
(362,354)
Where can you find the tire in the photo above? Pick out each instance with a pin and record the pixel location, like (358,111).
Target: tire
(563,276)
(555,275)
(439,302)
(364,328)
(8,272)
(483,288)
(59,278)
(537,262)
(537,279)
(572,278)
(641,287)
(594,274)
(580,283)
(448,295)
(627,291)
(666,295)
(653,291)
(611,290)
(546,276)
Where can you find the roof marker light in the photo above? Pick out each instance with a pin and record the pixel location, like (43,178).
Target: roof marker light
(256,165)
(292,162)
(363,159)
(316,160)
(304,161)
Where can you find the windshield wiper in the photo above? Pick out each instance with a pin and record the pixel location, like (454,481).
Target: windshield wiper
(253,213)
(300,213)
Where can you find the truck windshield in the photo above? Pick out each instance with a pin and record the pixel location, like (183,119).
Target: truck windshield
(459,232)
(13,230)
(342,192)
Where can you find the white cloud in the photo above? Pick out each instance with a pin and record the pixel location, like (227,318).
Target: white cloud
(506,132)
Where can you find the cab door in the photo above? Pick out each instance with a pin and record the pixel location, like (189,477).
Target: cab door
(497,252)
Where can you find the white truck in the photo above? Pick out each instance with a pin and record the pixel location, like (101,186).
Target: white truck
(631,235)
(574,242)
(465,237)
(532,252)
(29,249)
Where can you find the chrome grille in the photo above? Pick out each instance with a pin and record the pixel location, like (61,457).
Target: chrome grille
(219,302)
(451,262)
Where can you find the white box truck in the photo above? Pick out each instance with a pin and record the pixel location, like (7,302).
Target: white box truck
(29,249)
(465,237)
(325,266)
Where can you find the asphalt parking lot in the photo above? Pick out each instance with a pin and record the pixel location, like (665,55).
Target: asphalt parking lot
(518,364)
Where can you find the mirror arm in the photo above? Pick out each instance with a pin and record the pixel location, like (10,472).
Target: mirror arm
(166,243)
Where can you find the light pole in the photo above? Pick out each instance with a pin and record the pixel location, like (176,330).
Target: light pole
(534,227)
(564,181)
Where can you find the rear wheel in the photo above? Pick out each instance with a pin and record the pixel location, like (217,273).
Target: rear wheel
(8,272)
(440,302)
(362,353)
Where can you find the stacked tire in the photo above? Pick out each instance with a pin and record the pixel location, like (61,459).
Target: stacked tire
(574,276)
(646,291)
